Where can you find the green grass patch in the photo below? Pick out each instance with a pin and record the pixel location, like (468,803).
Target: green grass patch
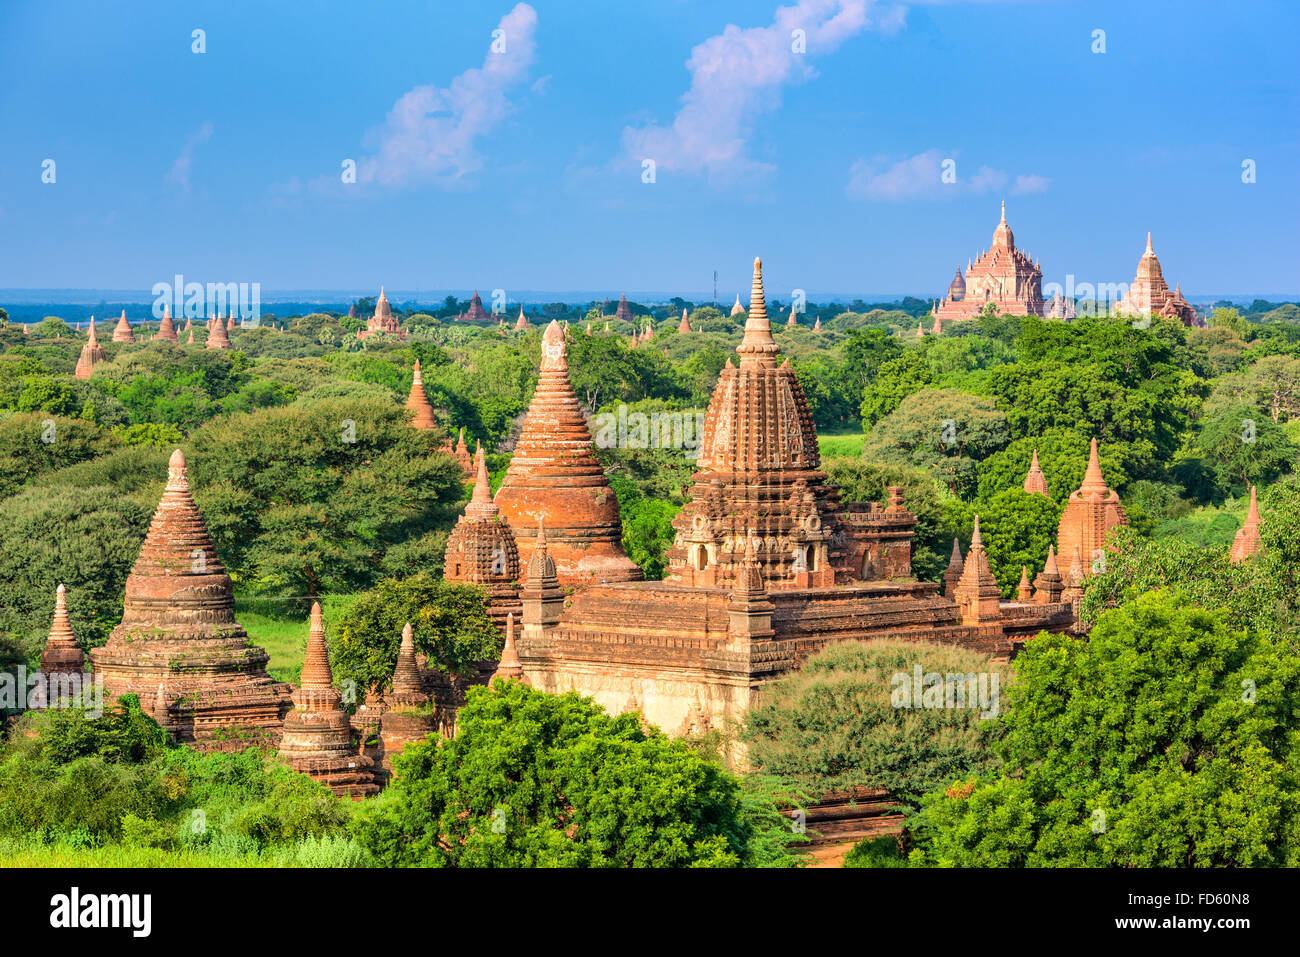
(840,445)
(875,852)
(280,626)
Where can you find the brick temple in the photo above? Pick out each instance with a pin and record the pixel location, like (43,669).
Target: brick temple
(554,477)
(768,567)
(1149,294)
(179,640)
(92,353)
(383,321)
(1002,276)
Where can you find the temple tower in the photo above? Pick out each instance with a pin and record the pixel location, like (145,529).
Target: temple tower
(956,564)
(977,594)
(122,331)
(1048,584)
(1091,511)
(62,654)
(737,309)
(317,736)
(758,476)
(383,320)
(476,312)
(521,323)
(554,476)
(1149,295)
(167,328)
(510,668)
(624,311)
(418,402)
(1247,541)
(92,353)
(218,338)
(178,629)
(1003,277)
(1035,480)
(481,550)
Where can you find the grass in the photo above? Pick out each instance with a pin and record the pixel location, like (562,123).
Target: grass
(115,855)
(280,626)
(875,852)
(839,445)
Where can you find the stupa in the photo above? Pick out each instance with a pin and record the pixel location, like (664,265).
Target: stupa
(317,735)
(476,312)
(767,567)
(1149,294)
(481,549)
(956,564)
(792,320)
(624,311)
(463,457)
(522,322)
(407,715)
(737,309)
(418,402)
(1035,480)
(122,331)
(62,654)
(1247,541)
(509,668)
(1003,277)
(555,476)
(1091,511)
(976,592)
(167,328)
(92,353)
(1048,585)
(683,326)
(179,630)
(218,338)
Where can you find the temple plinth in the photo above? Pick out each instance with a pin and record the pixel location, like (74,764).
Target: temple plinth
(317,735)
(179,630)
(554,476)
(1003,277)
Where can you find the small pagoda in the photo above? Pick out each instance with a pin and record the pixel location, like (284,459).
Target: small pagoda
(179,640)
(167,328)
(218,338)
(1035,480)
(1091,511)
(1247,540)
(62,654)
(317,736)
(92,353)
(624,311)
(122,331)
(481,550)
(476,312)
(418,402)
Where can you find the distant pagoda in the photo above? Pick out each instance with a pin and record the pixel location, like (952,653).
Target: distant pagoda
(122,331)
(1003,277)
(1247,540)
(62,654)
(476,312)
(1149,294)
(179,639)
(218,338)
(554,475)
(383,320)
(167,328)
(92,353)
(418,402)
(623,311)
(1035,480)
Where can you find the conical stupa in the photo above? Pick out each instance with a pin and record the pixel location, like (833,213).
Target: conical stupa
(737,309)
(178,628)
(122,331)
(218,338)
(62,654)
(554,475)
(317,735)
(510,669)
(167,328)
(1035,480)
(418,402)
(1091,511)
(91,354)
(481,549)
(1247,541)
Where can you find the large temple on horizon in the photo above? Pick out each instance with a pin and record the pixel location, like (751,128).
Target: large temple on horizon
(1002,277)
(1149,294)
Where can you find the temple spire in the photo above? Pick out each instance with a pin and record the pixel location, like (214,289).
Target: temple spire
(1035,481)
(757,348)
(316,672)
(1247,540)
(406,676)
(510,668)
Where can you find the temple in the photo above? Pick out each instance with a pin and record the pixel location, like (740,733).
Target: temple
(92,353)
(481,550)
(62,654)
(218,338)
(1002,277)
(317,737)
(418,402)
(624,311)
(1091,511)
(383,321)
(1149,294)
(122,331)
(737,309)
(1035,480)
(179,640)
(521,323)
(554,477)
(167,328)
(475,312)
(768,567)
(1247,541)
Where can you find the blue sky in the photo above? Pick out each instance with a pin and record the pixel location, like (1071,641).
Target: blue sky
(522,168)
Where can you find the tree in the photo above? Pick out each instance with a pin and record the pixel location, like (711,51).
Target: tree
(943,430)
(309,498)
(86,538)
(449,623)
(897,379)
(1113,758)
(833,725)
(1063,458)
(1243,448)
(1017,529)
(547,780)
(34,443)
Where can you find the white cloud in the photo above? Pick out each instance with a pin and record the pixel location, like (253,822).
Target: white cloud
(739,74)
(920,177)
(1031,183)
(180,171)
(430,132)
